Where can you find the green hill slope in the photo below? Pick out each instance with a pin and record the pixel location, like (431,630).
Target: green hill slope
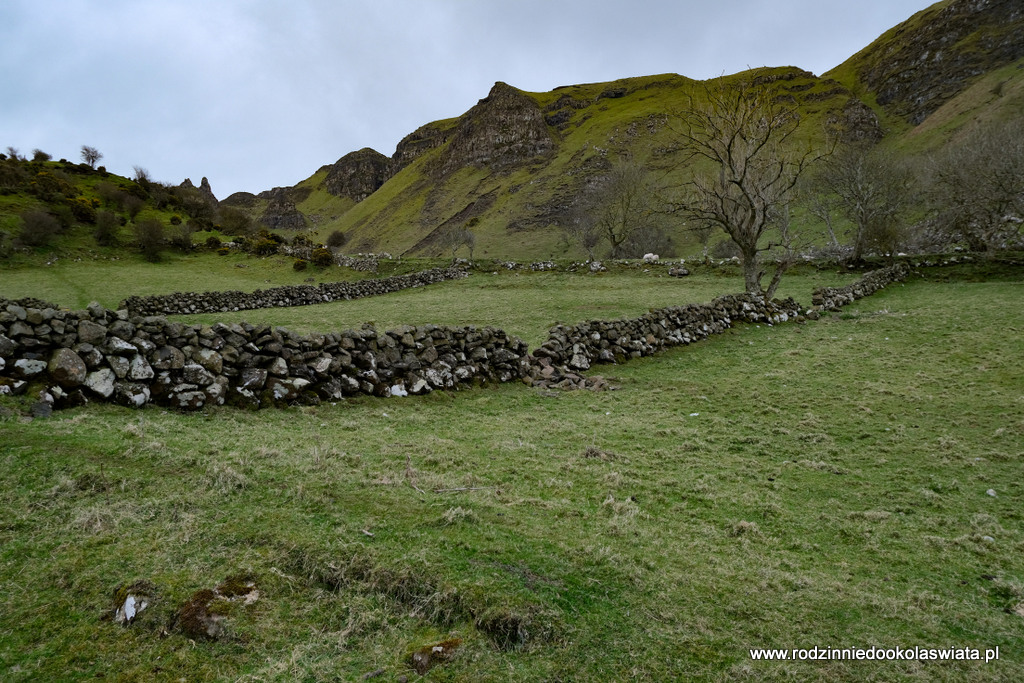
(513,167)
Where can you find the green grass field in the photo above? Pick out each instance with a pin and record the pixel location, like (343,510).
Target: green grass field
(805,485)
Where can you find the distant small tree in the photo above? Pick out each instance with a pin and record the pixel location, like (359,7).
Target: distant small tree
(90,155)
(622,208)
(454,238)
(13,154)
(336,239)
(871,190)
(149,237)
(40,156)
(703,231)
(142,178)
(580,229)
(106,228)
(133,205)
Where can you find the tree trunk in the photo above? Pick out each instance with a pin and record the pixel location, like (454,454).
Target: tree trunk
(752,273)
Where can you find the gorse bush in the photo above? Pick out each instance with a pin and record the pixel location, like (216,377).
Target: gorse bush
(264,247)
(84,210)
(322,258)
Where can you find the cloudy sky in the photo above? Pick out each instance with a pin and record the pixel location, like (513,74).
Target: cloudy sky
(255,94)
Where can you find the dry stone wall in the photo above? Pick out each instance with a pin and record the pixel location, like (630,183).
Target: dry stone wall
(99,354)
(184,303)
(832,298)
(72,357)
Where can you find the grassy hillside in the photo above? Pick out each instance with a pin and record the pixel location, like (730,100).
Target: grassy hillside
(951,64)
(851,482)
(517,210)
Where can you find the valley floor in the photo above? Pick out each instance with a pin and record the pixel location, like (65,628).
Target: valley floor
(850,482)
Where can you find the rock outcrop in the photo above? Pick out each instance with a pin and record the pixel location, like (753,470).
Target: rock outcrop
(419,142)
(504,129)
(204,190)
(357,175)
(281,212)
(919,65)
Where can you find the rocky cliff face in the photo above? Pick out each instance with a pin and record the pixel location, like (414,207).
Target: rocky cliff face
(281,212)
(419,142)
(924,62)
(504,129)
(357,175)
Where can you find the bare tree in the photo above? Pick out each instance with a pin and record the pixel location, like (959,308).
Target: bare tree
(455,238)
(740,140)
(621,209)
(870,189)
(581,229)
(91,155)
(822,206)
(976,184)
(703,231)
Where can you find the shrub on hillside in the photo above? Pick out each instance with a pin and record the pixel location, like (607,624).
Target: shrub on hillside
(223,251)
(149,237)
(82,209)
(336,239)
(212,242)
(106,229)
(63,214)
(235,221)
(299,265)
(181,237)
(111,194)
(264,247)
(133,205)
(271,236)
(38,228)
(322,258)
(12,176)
(51,186)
